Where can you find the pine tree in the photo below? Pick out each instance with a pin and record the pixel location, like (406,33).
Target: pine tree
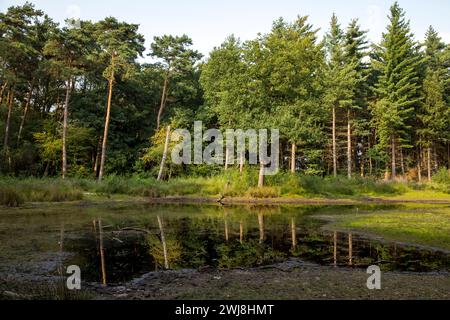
(397,61)
(120,45)
(434,115)
(341,78)
(358,117)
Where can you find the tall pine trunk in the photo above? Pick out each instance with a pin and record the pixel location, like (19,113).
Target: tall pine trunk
(293,156)
(429,164)
(349,146)
(164,157)
(261,175)
(9,100)
(3,90)
(241,162)
(25,112)
(107,120)
(163,101)
(334,143)
(393,160)
(64,135)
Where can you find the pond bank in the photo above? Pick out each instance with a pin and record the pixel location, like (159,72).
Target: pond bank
(287,201)
(291,280)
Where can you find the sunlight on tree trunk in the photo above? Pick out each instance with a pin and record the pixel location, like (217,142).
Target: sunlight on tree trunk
(241,162)
(107,120)
(164,157)
(293,156)
(261,175)
(163,101)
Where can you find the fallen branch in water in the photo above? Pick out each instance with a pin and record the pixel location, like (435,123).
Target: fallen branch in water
(135,229)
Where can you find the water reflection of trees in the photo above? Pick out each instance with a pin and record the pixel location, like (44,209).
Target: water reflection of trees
(230,237)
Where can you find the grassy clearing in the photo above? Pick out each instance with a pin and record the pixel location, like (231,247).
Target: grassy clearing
(424,226)
(14,191)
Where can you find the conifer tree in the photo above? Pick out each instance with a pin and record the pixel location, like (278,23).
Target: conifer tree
(396,60)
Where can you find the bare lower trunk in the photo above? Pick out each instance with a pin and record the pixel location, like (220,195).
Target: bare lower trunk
(419,171)
(98,154)
(448,155)
(64,134)
(166,149)
(370,158)
(293,157)
(349,146)
(3,90)
(402,162)
(429,164)
(8,121)
(436,162)
(163,102)
(334,143)
(241,162)
(261,175)
(393,160)
(25,112)
(164,244)
(107,120)
(227,157)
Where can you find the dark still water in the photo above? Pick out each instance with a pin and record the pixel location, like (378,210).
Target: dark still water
(115,243)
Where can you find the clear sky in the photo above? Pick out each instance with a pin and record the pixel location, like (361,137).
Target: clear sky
(209,22)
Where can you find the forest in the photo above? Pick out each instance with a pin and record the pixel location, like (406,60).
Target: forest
(77,102)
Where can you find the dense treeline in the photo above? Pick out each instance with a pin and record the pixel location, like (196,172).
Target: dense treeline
(76,101)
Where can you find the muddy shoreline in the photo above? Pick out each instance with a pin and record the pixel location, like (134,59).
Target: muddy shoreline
(286,201)
(290,280)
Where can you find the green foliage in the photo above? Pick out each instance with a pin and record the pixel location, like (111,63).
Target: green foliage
(394,98)
(10,197)
(264,192)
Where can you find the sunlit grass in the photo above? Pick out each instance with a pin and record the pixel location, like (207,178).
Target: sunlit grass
(424,226)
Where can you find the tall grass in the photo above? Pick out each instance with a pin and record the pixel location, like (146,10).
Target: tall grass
(231,183)
(14,192)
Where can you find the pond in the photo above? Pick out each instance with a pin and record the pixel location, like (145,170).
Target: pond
(115,243)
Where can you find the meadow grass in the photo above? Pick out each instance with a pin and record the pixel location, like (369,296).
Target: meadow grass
(231,183)
(424,226)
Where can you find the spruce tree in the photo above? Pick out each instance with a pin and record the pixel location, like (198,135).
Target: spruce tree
(397,61)
(341,79)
